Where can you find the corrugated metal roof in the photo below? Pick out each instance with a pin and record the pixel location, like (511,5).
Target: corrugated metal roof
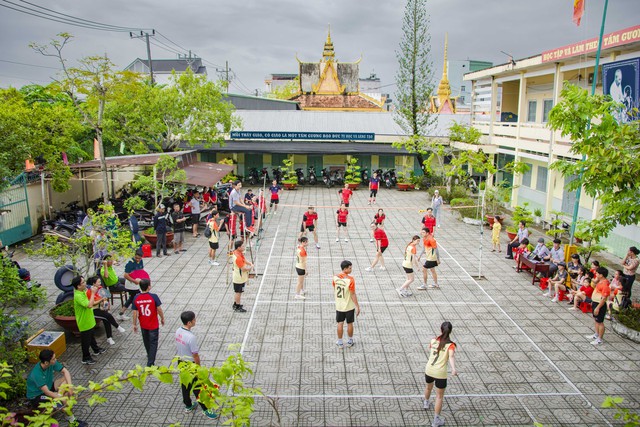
(381,123)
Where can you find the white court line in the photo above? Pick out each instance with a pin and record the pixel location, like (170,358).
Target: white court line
(548,359)
(340,256)
(253,310)
(307,302)
(533,419)
(408,396)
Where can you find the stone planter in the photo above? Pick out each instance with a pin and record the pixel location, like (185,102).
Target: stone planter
(69,322)
(289,186)
(624,331)
(153,239)
(353,185)
(403,187)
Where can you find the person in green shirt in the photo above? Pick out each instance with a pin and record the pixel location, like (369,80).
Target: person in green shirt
(85,319)
(41,386)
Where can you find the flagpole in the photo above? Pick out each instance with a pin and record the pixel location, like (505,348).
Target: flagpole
(576,206)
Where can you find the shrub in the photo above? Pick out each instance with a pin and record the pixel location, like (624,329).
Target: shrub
(630,318)
(64,309)
(467,212)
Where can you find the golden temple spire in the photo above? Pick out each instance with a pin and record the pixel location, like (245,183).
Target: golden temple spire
(328,54)
(444,90)
(445,74)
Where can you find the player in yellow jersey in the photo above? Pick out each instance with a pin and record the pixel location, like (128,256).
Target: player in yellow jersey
(441,351)
(301,266)
(408,264)
(347,307)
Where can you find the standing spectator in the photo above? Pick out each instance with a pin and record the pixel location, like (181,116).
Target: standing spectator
(347,307)
(630,266)
(341,221)
(186,209)
(135,230)
(275,190)
(441,351)
(301,267)
(238,206)
(429,220)
(214,239)
(408,264)
(134,264)
(522,234)
(160,225)
(344,194)
(41,387)
(599,304)
(382,243)
(431,259)
(556,256)
(495,234)
(146,307)
(195,213)
(436,204)
(188,351)
(310,223)
(101,310)
(241,269)
(378,218)
(83,307)
(179,225)
(374,184)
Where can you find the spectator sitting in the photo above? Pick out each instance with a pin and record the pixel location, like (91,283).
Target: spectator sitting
(595,265)
(574,266)
(582,273)
(540,252)
(521,250)
(556,255)
(583,294)
(558,282)
(522,233)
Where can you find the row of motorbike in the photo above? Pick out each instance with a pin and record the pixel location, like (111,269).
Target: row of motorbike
(329,177)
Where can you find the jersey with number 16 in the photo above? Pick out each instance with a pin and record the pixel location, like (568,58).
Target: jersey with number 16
(146,304)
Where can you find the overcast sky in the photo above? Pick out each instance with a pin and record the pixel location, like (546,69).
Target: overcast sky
(259,37)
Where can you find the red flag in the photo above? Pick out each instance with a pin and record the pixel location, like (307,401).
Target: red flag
(578,10)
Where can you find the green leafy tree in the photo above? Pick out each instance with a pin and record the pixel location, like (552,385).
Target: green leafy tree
(167,180)
(287,91)
(414,82)
(608,151)
(103,234)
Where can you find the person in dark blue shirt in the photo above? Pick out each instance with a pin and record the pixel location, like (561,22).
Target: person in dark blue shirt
(160,225)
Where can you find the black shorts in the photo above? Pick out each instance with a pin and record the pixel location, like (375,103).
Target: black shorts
(440,382)
(238,287)
(382,249)
(215,245)
(342,224)
(274,202)
(346,205)
(233,237)
(373,193)
(195,218)
(300,271)
(308,227)
(603,310)
(349,316)
(430,264)
(408,270)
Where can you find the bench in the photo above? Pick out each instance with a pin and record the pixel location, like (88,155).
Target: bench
(534,267)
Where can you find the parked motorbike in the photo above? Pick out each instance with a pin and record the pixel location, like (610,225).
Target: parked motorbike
(313,179)
(253,176)
(389,177)
(337,176)
(300,176)
(326,179)
(23,273)
(364,176)
(277,174)
(265,176)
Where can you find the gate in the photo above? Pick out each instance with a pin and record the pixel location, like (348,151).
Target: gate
(15,221)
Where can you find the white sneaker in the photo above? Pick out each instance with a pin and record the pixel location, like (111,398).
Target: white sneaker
(346,240)
(435,286)
(215,263)
(303,292)
(399,291)
(299,296)
(383,268)
(121,329)
(211,262)
(426,404)
(339,344)
(546,294)
(422,288)
(317,246)
(572,308)
(122,316)
(597,341)
(337,240)
(591,337)
(367,269)
(350,342)
(555,299)
(371,240)
(111,341)
(437,421)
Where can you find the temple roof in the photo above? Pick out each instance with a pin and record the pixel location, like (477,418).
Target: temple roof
(358,102)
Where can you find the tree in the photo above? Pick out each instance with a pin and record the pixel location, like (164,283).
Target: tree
(287,91)
(91,87)
(608,151)
(168,180)
(414,81)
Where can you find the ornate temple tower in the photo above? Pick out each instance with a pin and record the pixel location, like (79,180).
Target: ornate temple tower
(443,102)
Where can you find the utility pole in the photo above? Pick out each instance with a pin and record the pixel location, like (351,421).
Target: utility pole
(224,73)
(146,37)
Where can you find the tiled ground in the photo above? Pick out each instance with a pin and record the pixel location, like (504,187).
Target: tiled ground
(521,358)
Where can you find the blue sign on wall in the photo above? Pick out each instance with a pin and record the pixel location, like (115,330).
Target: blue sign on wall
(621,81)
(324,136)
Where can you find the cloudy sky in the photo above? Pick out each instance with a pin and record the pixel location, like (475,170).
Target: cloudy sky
(259,37)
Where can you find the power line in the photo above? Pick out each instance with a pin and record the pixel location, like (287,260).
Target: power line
(171,41)
(29,65)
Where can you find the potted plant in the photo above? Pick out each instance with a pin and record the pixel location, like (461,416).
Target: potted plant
(403,182)
(537,214)
(64,315)
(352,174)
(588,233)
(556,229)
(290,180)
(150,236)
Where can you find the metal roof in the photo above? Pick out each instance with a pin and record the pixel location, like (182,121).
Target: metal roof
(380,123)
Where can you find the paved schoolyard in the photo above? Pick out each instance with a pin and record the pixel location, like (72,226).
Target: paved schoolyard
(521,358)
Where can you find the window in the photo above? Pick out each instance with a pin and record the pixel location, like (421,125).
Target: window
(531,116)
(546,108)
(526,177)
(463,88)
(541,181)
